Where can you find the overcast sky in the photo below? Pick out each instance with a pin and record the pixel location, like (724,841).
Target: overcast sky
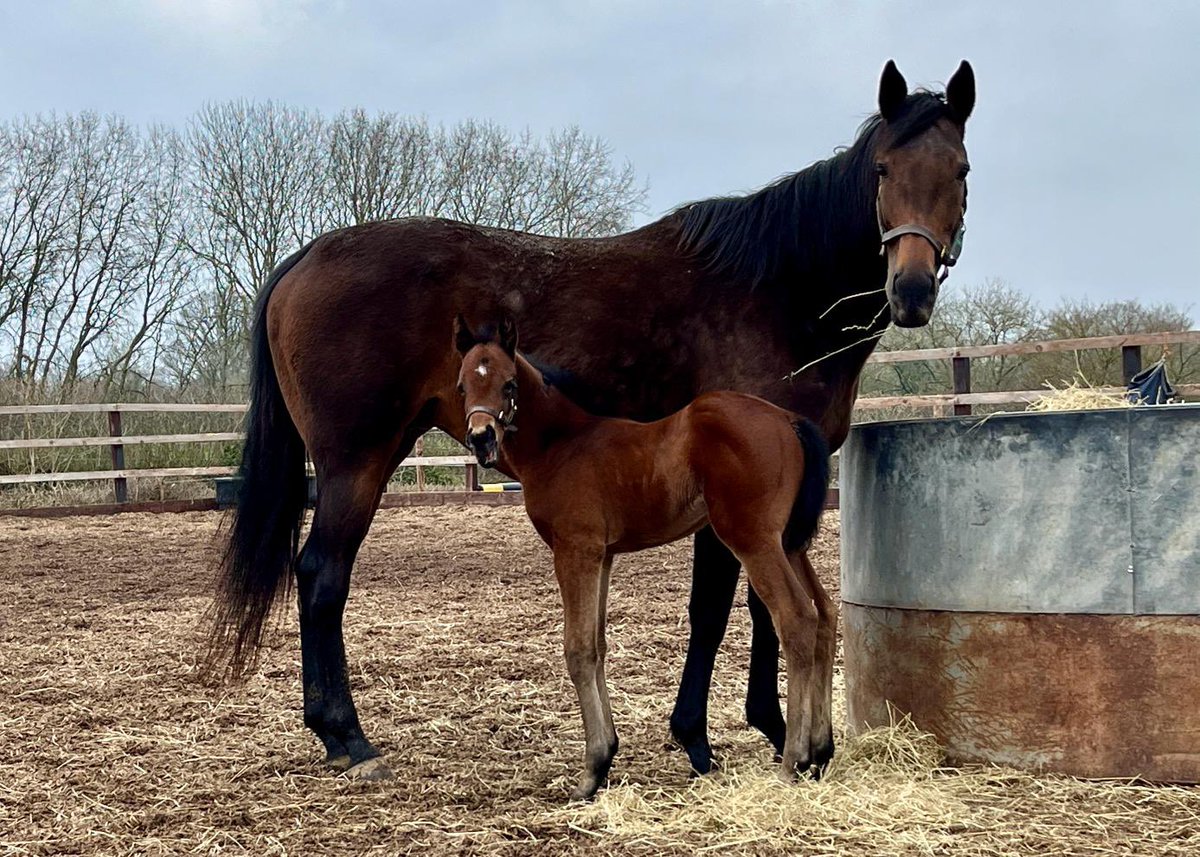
(1085,179)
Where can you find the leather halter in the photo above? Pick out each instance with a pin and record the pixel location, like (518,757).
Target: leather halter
(503,417)
(946,255)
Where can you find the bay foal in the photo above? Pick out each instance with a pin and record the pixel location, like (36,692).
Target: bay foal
(595,487)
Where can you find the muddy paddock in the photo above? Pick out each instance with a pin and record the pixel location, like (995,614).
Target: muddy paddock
(111,746)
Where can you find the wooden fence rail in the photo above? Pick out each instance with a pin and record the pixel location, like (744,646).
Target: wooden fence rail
(960,401)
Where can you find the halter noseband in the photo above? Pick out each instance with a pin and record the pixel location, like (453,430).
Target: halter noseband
(504,417)
(946,256)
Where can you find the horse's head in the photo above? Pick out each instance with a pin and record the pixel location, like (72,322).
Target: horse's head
(922,191)
(487,382)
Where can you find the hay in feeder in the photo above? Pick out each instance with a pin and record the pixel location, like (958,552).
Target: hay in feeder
(1079,395)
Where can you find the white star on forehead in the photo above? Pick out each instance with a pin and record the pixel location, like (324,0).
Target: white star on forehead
(481,371)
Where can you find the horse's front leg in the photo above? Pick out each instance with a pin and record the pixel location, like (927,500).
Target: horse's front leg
(347,503)
(580,573)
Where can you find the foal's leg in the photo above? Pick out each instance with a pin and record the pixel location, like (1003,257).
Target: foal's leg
(579,571)
(346,503)
(762,691)
(821,740)
(795,620)
(714,581)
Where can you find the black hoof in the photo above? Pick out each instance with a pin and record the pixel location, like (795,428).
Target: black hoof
(371,770)
(339,763)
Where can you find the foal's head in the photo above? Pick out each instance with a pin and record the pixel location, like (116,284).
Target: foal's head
(487,382)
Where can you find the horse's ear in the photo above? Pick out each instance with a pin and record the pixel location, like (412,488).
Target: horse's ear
(508,335)
(960,92)
(893,89)
(464,339)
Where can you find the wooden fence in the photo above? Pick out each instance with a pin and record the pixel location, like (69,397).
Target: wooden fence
(959,401)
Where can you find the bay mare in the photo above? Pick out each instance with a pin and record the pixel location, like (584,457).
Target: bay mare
(596,487)
(782,294)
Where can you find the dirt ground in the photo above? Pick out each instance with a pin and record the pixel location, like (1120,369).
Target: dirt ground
(110,745)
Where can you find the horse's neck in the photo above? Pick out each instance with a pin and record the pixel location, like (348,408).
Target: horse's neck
(545,417)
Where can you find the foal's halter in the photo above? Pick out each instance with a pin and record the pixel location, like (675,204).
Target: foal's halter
(504,417)
(946,256)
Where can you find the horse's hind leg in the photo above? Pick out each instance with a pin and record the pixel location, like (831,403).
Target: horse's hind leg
(821,739)
(579,572)
(346,502)
(795,620)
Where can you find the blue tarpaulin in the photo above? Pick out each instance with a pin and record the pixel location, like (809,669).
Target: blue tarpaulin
(1151,386)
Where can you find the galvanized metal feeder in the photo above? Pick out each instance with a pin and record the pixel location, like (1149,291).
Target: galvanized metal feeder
(1027,586)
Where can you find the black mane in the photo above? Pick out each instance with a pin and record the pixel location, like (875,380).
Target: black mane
(799,223)
(553,376)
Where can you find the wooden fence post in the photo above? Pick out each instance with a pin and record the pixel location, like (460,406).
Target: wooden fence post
(472,477)
(1131,361)
(419,449)
(117,453)
(962,382)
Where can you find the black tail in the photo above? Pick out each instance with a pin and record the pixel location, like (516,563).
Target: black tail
(810,499)
(265,534)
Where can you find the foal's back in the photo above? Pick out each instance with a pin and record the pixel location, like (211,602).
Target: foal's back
(727,457)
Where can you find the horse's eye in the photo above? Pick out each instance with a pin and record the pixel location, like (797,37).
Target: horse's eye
(962,172)
(462,390)
(510,388)
(881,170)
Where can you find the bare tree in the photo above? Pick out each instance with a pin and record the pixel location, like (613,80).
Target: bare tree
(991,313)
(131,257)
(1076,319)
(565,185)
(161,266)
(257,173)
(381,167)
(35,196)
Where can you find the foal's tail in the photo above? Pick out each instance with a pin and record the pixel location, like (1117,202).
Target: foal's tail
(265,534)
(810,499)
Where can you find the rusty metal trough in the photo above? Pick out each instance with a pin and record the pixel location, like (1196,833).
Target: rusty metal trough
(1027,586)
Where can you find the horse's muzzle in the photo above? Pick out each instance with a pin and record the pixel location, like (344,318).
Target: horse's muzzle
(911,298)
(484,443)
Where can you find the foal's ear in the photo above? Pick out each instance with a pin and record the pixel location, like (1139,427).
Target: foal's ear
(893,89)
(960,92)
(464,339)
(508,335)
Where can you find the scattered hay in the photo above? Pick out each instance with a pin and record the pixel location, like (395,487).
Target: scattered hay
(454,637)
(885,794)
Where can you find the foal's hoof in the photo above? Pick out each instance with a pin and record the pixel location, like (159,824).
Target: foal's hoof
(821,756)
(794,769)
(338,763)
(371,770)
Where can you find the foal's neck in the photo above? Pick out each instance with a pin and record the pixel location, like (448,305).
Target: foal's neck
(545,417)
